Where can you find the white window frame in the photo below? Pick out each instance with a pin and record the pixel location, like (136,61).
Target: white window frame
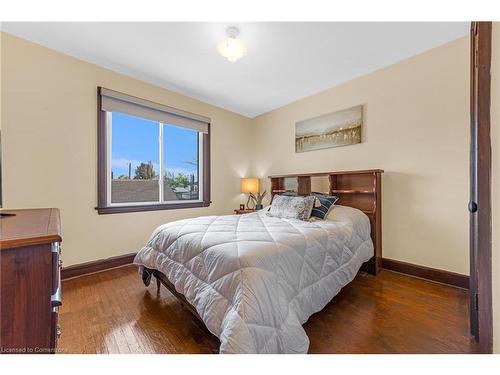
(161,201)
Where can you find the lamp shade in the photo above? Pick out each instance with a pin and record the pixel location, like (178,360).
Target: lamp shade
(250,185)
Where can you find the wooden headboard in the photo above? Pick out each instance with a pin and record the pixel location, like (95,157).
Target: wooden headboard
(359,189)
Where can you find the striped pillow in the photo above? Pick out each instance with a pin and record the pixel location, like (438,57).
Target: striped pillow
(327,202)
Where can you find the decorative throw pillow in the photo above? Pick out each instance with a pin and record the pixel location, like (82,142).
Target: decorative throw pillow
(327,202)
(285,194)
(292,207)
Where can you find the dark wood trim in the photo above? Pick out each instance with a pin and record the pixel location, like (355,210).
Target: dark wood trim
(96,266)
(433,274)
(102,207)
(303,185)
(316,174)
(376,222)
(277,186)
(101,153)
(480,187)
(206,168)
(150,207)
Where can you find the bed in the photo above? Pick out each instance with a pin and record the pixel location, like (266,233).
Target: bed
(253,279)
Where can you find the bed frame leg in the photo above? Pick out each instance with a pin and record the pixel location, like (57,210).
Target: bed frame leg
(372,266)
(146,275)
(158,285)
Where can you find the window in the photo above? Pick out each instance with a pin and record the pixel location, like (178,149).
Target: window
(151,157)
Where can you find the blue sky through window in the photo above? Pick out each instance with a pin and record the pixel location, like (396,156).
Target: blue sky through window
(135,140)
(180,150)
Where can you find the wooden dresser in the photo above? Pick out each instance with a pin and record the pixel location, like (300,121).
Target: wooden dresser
(30,280)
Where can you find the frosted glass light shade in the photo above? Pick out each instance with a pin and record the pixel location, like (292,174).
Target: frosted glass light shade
(250,185)
(232,49)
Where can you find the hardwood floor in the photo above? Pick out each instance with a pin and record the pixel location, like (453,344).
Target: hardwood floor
(112,312)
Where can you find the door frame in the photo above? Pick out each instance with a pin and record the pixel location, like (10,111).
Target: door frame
(481,314)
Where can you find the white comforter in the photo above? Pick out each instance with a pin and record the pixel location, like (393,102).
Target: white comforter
(255,279)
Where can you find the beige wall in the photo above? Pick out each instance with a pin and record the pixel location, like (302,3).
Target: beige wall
(1,37)
(49,148)
(416,128)
(495,142)
(1,116)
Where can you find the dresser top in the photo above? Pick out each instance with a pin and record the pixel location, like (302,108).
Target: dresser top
(29,227)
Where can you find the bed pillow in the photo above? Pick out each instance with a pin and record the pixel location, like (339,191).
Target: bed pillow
(327,201)
(286,207)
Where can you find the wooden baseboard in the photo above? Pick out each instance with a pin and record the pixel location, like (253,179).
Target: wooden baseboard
(433,274)
(96,266)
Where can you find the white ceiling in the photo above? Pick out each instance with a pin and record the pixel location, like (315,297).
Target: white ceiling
(285,61)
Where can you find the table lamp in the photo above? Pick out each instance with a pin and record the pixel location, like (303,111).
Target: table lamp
(250,186)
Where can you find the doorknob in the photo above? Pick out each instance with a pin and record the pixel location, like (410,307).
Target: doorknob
(472,207)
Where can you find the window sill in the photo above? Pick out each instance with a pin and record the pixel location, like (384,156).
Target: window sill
(149,207)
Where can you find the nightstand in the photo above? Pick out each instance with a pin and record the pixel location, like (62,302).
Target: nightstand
(241,212)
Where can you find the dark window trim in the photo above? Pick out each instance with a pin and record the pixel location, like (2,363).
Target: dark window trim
(103,208)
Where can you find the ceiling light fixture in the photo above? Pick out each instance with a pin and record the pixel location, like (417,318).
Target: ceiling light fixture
(231,48)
